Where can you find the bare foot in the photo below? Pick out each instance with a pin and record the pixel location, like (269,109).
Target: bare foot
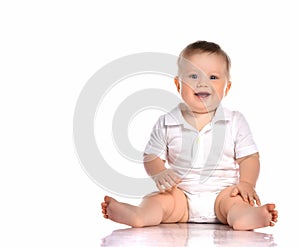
(249,218)
(120,212)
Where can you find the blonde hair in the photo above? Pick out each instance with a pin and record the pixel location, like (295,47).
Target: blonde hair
(204,46)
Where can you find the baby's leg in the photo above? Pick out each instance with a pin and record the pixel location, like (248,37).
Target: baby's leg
(241,215)
(168,207)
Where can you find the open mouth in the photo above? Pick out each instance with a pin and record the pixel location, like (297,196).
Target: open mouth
(202,95)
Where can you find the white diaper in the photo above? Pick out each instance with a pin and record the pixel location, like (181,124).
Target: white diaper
(201,207)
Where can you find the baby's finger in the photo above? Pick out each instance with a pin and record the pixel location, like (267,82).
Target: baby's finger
(251,200)
(256,197)
(159,186)
(245,196)
(178,180)
(170,181)
(167,183)
(175,178)
(235,192)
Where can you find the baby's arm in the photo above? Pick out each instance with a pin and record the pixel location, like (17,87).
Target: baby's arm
(153,164)
(164,178)
(249,171)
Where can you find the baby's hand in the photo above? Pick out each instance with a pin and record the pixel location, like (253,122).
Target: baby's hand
(247,192)
(166,179)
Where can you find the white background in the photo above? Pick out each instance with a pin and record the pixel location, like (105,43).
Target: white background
(48,52)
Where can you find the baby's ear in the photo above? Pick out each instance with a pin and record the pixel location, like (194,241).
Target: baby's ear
(227,88)
(177,83)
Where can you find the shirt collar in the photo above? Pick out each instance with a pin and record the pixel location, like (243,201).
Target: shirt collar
(222,114)
(174,117)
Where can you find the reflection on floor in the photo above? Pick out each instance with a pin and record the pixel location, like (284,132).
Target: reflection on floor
(187,235)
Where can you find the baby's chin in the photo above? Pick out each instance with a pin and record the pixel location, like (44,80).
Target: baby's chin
(206,111)
(202,109)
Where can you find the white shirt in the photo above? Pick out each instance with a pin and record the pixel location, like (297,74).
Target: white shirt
(205,160)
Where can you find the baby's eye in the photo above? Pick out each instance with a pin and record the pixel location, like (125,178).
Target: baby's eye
(193,76)
(213,77)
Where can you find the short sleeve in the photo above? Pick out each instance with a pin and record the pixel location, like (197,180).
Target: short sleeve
(157,143)
(244,142)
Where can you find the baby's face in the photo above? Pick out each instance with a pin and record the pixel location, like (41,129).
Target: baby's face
(203,81)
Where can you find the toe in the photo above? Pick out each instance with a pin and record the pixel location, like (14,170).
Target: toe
(271,206)
(272,224)
(275,215)
(106,199)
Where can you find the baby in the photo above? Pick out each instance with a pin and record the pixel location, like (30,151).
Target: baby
(201,155)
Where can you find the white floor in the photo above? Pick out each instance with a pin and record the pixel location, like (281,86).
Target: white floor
(195,235)
(187,235)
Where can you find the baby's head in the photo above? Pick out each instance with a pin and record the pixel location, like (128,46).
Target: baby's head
(199,47)
(203,76)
